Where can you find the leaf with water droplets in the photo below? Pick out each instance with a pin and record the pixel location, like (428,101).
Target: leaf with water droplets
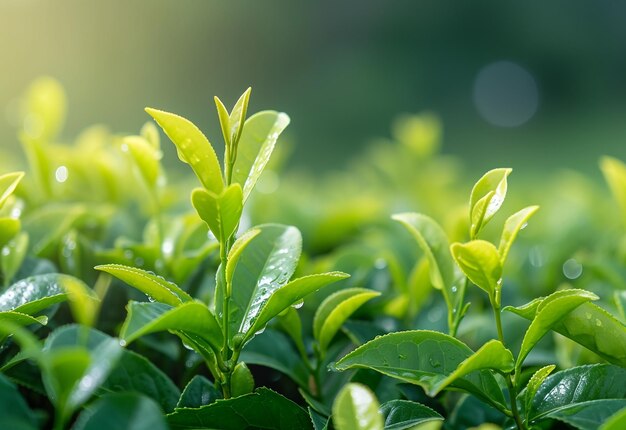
(480,262)
(190,317)
(258,138)
(335,310)
(512,227)
(21,319)
(486,198)
(292,292)
(590,326)
(583,396)
(424,358)
(405,415)
(153,286)
(549,312)
(263,265)
(356,408)
(193,148)
(221,213)
(8,184)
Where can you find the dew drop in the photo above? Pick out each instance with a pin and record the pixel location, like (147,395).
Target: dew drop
(61,174)
(598,323)
(298,304)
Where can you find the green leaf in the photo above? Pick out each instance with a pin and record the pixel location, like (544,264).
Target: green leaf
(405,415)
(262,409)
(232,124)
(190,317)
(274,350)
(290,323)
(122,411)
(9,228)
(614,172)
(262,267)
(155,287)
(48,224)
(356,408)
(549,312)
(8,184)
(480,261)
(221,213)
(617,421)
(198,392)
(533,385)
(583,396)
(423,358)
(291,293)
(36,293)
(241,381)
(12,257)
(486,198)
(492,355)
(335,310)
(512,227)
(235,253)
(320,422)
(434,243)
(20,319)
(145,156)
(14,411)
(193,148)
(151,134)
(259,136)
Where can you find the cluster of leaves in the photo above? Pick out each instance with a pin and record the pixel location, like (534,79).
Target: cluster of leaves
(272,331)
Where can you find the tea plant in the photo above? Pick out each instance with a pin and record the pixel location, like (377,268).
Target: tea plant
(266,317)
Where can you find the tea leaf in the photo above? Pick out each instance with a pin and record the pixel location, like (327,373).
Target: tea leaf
(263,266)
(193,148)
(533,385)
(549,312)
(434,243)
(148,283)
(9,228)
(190,317)
(356,408)
(617,421)
(198,392)
(584,396)
(405,415)
(151,134)
(614,172)
(241,381)
(291,293)
(512,227)
(145,156)
(232,125)
(259,136)
(423,358)
(262,409)
(480,261)
(8,184)
(335,310)
(14,410)
(486,198)
(12,256)
(122,411)
(492,355)
(221,213)
(21,319)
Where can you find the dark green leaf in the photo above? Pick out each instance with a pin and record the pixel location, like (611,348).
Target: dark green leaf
(404,414)
(262,409)
(122,411)
(424,358)
(14,412)
(198,392)
(241,381)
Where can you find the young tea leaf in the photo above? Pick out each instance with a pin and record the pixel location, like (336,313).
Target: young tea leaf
(232,124)
(356,408)
(145,157)
(486,198)
(221,213)
(193,148)
(8,184)
(533,385)
(614,172)
(480,261)
(12,256)
(258,138)
(241,381)
(617,421)
(153,286)
(549,312)
(9,228)
(335,310)
(512,227)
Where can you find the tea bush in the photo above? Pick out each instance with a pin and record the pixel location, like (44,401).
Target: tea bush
(347,301)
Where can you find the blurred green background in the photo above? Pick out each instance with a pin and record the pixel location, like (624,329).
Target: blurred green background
(528,85)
